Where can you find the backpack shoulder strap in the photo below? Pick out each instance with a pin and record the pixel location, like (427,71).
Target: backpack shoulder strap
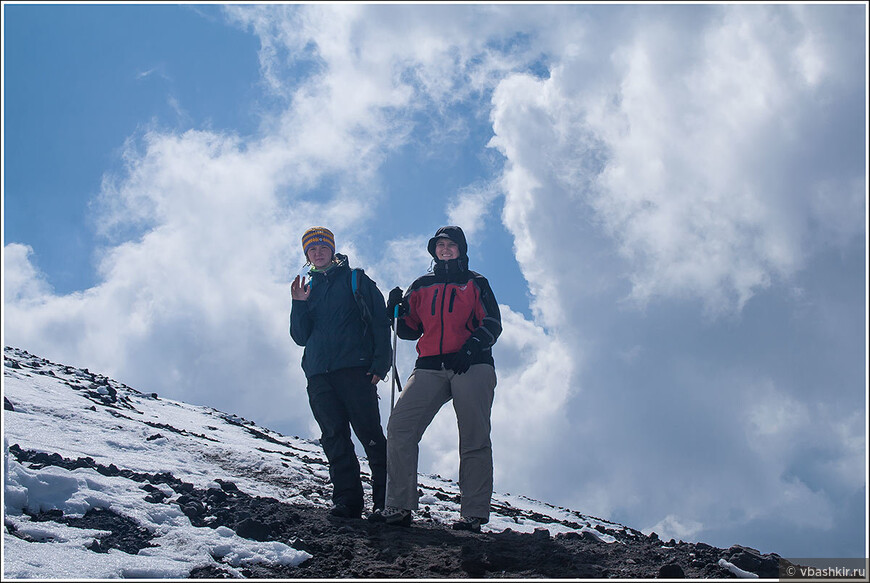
(364,312)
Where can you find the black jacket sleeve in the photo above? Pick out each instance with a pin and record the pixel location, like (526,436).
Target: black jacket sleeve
(490,326)
(300,322)
(404,331)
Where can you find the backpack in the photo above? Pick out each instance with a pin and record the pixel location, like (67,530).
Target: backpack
(364,311)
(366,315)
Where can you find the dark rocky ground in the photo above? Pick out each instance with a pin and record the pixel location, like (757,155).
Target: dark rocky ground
(349,548)
(358,549)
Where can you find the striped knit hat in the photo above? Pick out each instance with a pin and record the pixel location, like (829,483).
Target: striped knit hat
(317,236)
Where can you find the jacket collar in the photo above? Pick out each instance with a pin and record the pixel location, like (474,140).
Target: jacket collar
(339,263)
(451,267)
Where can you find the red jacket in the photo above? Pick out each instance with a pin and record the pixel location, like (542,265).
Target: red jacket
(445,309)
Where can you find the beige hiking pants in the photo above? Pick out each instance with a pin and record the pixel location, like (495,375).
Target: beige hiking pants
(423,396)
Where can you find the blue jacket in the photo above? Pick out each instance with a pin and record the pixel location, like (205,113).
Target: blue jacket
(331,327)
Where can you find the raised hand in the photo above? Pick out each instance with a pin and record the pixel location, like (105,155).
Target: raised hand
(299,290)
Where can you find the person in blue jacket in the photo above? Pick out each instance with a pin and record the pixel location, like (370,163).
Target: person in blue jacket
(340,318)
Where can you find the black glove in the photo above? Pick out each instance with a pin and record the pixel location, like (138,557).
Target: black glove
(396,299)
(462,360)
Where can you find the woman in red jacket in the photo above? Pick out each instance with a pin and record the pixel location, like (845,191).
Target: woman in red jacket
(453,314)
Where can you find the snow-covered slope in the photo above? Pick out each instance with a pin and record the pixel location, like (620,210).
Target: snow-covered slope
(135,454)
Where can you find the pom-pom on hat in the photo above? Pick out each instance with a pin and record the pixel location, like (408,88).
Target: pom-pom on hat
(317,236)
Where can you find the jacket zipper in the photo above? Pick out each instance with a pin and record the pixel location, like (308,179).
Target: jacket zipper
(441,340)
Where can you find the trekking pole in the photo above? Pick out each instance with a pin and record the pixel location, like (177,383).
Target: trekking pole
(395,372)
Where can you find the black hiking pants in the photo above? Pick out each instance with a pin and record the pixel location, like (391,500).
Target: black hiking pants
(341,400)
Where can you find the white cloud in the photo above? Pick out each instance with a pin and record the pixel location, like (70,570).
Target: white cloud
(810,442)
(706,188)
(674,527)
(22,281)
(682,158)
(399,262)
(471,206)
(196,307)
(536,381)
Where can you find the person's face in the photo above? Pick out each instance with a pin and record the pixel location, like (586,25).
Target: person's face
(319,255)
(445,249)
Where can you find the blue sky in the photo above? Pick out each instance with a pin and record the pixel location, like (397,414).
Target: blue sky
(669,202)
(87,78)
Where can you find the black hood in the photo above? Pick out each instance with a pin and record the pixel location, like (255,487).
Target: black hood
(453,233)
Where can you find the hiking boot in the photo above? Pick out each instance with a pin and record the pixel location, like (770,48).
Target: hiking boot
(344,511)
(392,515)
(471,523)
(377,515)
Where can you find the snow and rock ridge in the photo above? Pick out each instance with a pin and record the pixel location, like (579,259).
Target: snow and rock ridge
(102,481)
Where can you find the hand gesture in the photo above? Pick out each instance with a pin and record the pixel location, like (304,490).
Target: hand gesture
(395,299)
(299,290)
